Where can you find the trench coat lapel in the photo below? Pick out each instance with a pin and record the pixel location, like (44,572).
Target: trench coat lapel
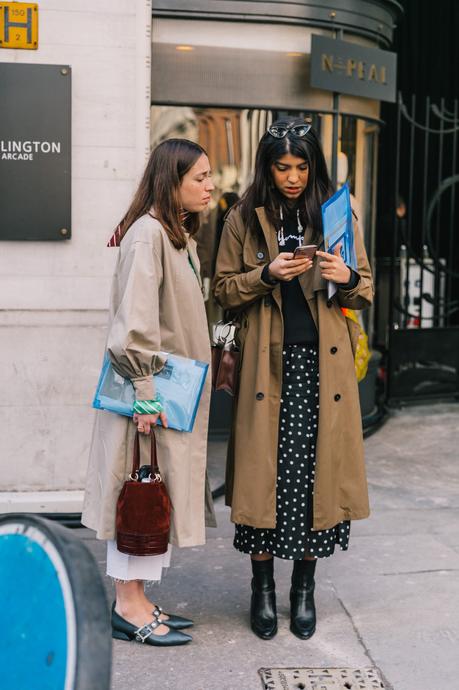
(269,233)
(194,260)
(312,281)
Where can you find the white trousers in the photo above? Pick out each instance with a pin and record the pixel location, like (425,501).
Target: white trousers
(124,567)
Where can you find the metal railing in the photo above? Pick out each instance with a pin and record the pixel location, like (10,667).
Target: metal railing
(424,278)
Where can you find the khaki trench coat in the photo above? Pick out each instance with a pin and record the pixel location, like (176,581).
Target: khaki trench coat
(156,306)
(340,489)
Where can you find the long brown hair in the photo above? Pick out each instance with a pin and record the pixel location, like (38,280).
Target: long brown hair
(159,190)
(262,191)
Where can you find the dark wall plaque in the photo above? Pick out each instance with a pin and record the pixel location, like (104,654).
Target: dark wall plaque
(353,69)
(35,152)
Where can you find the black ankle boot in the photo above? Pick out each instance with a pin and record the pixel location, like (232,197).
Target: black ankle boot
(263,615)
(303,610)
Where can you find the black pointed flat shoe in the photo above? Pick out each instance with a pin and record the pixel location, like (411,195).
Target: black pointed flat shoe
(173,622)
(123,630)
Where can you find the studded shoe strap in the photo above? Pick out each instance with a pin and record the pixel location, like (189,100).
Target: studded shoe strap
(143,633)
(158,611)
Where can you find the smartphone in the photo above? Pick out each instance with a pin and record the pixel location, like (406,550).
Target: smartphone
(306,250)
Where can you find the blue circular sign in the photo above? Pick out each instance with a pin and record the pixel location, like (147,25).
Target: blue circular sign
(38,613)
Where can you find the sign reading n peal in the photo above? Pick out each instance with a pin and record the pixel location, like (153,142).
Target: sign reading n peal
(35,152)
(19,25)
(350,68)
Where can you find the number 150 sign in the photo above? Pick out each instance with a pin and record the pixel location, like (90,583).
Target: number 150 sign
(19,25)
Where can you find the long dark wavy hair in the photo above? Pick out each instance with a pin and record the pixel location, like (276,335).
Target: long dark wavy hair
(263,192)
(159,189)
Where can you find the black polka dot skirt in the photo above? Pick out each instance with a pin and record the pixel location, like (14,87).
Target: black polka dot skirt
(293,537)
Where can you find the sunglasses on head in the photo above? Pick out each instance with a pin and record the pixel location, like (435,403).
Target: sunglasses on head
(279,132)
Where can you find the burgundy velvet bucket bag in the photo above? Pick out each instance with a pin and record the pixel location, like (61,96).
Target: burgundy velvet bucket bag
(143,510)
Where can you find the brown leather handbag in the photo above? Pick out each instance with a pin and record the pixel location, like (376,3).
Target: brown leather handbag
(225,359)
(143,509)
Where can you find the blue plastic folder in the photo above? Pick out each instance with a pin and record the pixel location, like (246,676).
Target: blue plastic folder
(338,229)
(337,225)
(178,386)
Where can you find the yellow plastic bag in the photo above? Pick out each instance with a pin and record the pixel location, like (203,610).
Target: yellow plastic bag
(362,353)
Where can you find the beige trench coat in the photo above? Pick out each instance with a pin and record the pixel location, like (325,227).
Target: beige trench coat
(156,306)
(340,491)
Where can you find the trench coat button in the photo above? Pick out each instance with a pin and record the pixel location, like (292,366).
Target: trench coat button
(260,255)
(268,301)
(333,350)
(337,397)
(260,396)
(329,303)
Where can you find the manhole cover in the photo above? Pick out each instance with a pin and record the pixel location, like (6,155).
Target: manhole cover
(321,679)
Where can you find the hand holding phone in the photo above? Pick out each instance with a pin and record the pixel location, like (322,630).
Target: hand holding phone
(288,265)
(305,251)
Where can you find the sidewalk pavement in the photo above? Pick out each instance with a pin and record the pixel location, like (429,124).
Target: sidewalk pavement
(391,601)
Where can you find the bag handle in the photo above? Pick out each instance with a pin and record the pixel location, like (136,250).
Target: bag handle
(153,455)
(224,333)
(227,332)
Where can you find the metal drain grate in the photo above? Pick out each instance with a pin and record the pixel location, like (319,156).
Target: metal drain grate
(321,679)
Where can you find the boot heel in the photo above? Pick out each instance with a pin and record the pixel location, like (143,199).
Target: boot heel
(118,635)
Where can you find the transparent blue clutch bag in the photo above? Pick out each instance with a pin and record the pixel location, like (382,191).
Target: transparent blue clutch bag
(178,386)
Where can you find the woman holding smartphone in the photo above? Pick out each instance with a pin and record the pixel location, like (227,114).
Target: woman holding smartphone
(156,306)
(295,473)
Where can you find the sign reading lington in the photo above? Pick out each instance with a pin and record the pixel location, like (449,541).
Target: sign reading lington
(350,68)
(35,172)
(19,25)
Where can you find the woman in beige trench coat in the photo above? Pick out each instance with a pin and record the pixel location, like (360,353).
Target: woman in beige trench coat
(295,473)
(156,306)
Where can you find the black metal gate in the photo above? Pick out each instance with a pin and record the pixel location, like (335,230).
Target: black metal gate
(423,314)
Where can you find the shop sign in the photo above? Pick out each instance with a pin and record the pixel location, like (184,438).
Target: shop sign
(353,69)
(19,25)
(35,148)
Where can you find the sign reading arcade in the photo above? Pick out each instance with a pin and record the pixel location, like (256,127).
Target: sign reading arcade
(35,152)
